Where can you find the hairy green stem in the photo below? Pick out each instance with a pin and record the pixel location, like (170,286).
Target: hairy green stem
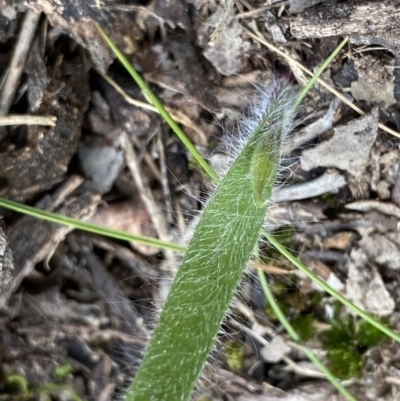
(212,267)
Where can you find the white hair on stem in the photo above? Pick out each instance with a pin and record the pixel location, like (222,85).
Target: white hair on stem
(212,267)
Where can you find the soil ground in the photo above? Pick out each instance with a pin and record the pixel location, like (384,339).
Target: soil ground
(77,137)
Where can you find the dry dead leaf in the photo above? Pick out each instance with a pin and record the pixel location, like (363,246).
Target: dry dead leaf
(381,250)
(130,216)
(365,287)
(340,240)
(348,149)
(375,81)
(228,53)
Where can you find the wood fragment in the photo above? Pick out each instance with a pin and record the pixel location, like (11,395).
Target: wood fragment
(348,149)
(17,63)
(368,22)
(313,130)
(154,211)
(6,261)
(328,182)
(369,205)
(13,119)
(320,81)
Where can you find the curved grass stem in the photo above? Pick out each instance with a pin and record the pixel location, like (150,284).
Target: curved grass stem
(88,227)
(295,337)
(159,106)
(364,315)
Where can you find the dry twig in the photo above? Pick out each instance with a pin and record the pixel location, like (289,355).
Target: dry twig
(13,74)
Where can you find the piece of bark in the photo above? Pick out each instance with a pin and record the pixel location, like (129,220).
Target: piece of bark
(373,220)
(375,81)
(364,22)
(369,205)
(297,214)
(36,71)
(330,182)
(395,195)
(47,151)
(133,261)
(297,6)
(365,287)
(78,19)
(313,130)
(32,240)
(326,256)
(12,76)
(9,10)
(372,22)
(240,389)
(172,12)
(381,251)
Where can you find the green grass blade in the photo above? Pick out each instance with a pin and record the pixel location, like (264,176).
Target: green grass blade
(92,228)
(367,317)
(277,310)
(295,337)
(321,69)
(332,379)
(159,106)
